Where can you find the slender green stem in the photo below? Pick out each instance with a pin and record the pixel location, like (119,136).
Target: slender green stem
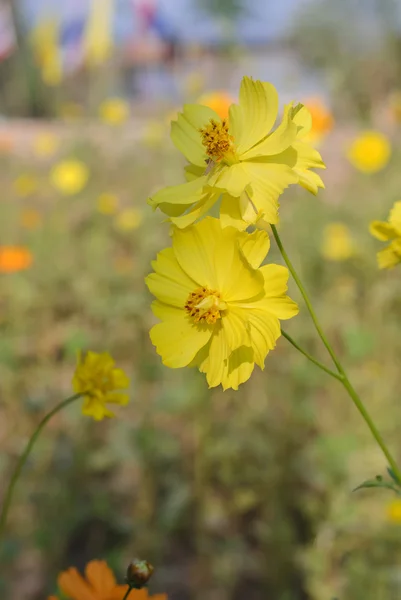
(24,456)
(311,358)
(306,299)
(343,376)
(128,592)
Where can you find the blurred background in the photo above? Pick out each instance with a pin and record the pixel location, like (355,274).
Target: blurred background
(230,495)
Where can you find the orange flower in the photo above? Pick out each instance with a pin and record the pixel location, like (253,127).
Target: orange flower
(14,258)
(99,584)
(322,119)
(220,102)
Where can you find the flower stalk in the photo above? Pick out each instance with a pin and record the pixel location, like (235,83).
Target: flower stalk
(342,376)
(24,457)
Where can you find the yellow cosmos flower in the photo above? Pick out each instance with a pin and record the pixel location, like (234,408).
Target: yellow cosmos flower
(384,231)
(114,111)
(98,379)
(370,152)
(129,219)
(240,159)
(394,511)
(46,145)
(25,185)
(219,309)
(70,176)
(107,204)
(337,242)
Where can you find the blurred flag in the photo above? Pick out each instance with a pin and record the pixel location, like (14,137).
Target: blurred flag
(46,45)
(7,32)
(98,42)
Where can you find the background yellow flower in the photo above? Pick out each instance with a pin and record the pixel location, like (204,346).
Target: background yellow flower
(46,144)
(370,151)
(394,511)
(337,242)
(70,176)
(114,111)
(129,219)
(26,184)
(107,203)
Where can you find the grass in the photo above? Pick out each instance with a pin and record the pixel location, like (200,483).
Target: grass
(231,495)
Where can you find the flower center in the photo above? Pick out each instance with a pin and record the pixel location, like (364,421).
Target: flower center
(204,305)
(216,139)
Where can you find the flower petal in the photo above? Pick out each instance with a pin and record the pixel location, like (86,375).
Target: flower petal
(231,214)
(254,117)
(210,255)
(278,141)
(223,367)
(395,217)
(268,183)
(100,576)
(264,332)
(185,132)
(177,338)
(169,283)
(232,179)
(196,211)
(302,117)
(310,180)
(382,231)
(185,193)
(73,585)
(254,246)
(235,329)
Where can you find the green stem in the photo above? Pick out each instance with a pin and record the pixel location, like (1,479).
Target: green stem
(24,456)
(343,376)
(128,592)
(310,357)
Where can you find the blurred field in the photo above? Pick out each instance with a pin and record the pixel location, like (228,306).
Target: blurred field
(232,496)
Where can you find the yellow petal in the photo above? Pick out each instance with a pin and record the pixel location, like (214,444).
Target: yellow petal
(225,368)
(235,329)
(231,214)
(185,132)
(232,179)
(210,255)
(390,256)
(309,180)
(264,332)
(254,246)
(307,156)
(194,171)
(196,211)
(302,118)
(268,183)
(253,118)
(169,283)
(177,338)
(382,231)
(278,141)
(185,193)
(395,217)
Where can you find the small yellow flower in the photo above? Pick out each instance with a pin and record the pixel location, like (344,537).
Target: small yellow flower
(384,231)
(370,152)
(219,309)
(31,219)
(337,242)
(114,111)
(98,379)
(70,176)
(129,219)
(322,120)
(220,102)
(46,145)
(107,204)
(25,185)
(394,511)
(240,160)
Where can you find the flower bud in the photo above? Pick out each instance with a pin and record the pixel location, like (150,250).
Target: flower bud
(138,574)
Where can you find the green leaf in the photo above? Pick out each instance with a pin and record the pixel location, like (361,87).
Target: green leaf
(379,482)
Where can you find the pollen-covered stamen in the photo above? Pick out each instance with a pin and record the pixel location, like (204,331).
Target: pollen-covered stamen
(204,305)
(216,139)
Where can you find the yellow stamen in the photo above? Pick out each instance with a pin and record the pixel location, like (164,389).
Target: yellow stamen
(204,305)
(216,139)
